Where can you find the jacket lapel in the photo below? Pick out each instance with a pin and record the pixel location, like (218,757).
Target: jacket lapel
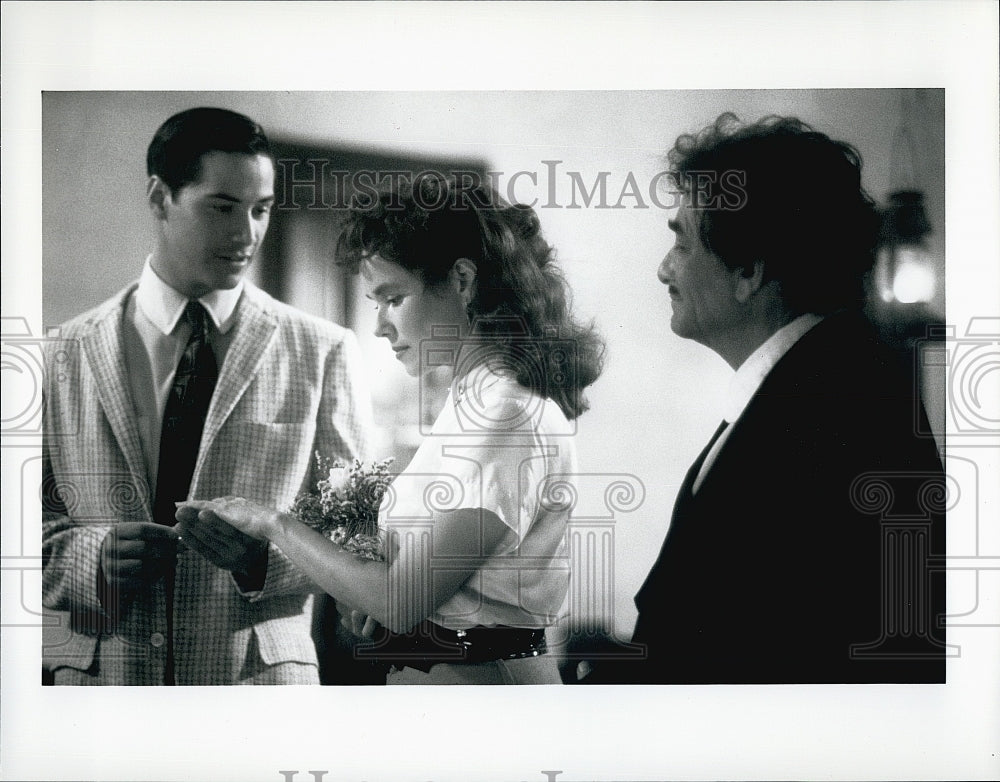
(104,349)
(255,330)
(684,498)
(685,491)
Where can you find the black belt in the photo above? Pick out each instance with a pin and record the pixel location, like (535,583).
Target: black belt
(429,644)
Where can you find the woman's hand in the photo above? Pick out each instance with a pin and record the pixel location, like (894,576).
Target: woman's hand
(250,518)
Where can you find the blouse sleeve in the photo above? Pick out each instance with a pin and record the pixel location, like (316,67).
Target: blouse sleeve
(496,463)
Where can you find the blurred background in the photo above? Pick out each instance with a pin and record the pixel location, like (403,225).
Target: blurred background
(588,161)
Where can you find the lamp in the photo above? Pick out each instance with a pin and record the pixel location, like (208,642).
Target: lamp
(906,300)
(905,272)
(905,282)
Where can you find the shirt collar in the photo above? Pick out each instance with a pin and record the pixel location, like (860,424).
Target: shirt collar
(480,378)
(164,306)
(751,374)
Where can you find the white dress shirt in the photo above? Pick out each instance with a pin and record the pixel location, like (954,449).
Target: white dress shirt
(155,334)
(750,376)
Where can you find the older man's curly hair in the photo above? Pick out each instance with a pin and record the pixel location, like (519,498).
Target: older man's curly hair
(779,192)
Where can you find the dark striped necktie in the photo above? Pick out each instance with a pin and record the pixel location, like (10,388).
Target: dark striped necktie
(184,416)
(180,439)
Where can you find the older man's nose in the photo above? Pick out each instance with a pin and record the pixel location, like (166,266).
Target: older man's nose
(663,272)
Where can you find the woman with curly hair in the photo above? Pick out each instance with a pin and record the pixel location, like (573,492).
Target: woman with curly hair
(476,566)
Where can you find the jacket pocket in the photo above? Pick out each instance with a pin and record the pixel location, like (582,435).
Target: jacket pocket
(68,651)
(287,639)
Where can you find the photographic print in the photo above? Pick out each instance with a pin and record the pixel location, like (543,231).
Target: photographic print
(458,341)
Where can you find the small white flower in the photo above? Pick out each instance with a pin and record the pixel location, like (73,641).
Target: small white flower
(338,478)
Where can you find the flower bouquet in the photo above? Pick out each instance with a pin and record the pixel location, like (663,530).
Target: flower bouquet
(345,504)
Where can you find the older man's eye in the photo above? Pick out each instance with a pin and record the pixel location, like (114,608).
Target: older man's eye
(392,301)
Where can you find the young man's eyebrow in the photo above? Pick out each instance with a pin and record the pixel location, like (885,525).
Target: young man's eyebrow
(232,199)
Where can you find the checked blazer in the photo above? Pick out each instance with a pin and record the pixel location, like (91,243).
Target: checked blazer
(289,387)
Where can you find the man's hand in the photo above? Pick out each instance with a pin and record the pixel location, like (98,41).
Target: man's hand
(135,553)
(220,543)
(359,623)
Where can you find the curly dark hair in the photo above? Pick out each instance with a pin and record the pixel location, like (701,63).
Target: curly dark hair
(522,302)
(779,192)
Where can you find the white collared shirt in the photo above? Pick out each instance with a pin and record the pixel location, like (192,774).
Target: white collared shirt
(154,335)
(749,378)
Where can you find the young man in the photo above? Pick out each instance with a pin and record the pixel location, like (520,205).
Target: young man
(189,383)
(782,562)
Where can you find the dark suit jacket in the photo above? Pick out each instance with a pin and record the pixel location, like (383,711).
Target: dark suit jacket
(806,554)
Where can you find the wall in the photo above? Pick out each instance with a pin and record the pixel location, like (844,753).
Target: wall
(659,398)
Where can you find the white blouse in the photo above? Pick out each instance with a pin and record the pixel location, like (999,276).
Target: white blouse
(501,447)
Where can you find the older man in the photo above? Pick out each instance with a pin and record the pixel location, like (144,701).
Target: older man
(777,565)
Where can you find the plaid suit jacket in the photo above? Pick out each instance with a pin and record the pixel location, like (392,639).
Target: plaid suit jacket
(289,386)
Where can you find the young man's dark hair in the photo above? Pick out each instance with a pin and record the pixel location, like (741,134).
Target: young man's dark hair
(175,153)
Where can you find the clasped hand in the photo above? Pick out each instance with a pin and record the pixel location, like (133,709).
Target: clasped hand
(359,623)
(135,553)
